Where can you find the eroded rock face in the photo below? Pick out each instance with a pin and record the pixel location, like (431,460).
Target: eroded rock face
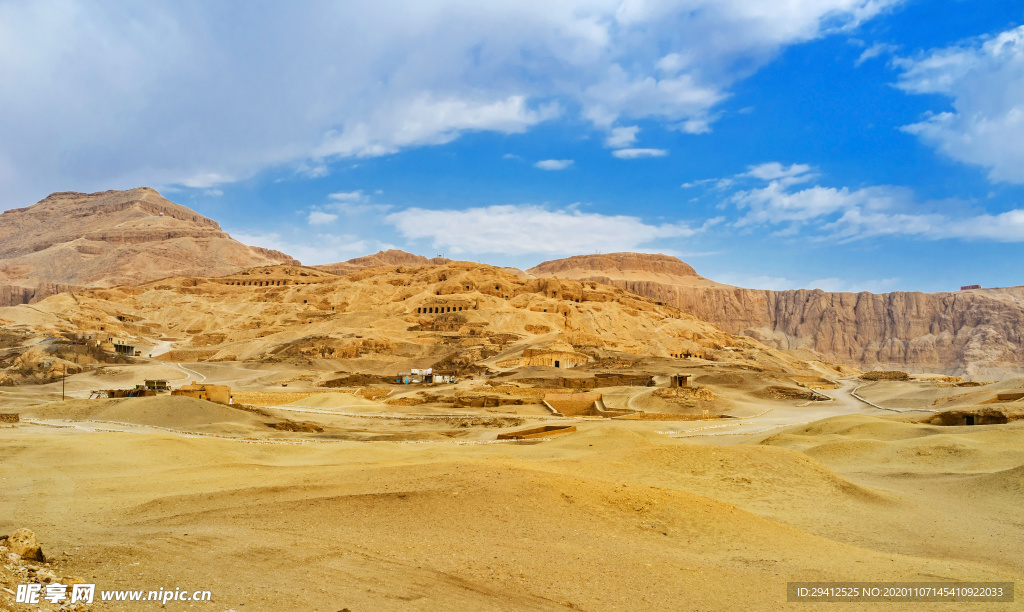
(970,331)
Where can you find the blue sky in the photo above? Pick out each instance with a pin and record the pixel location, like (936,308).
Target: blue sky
(839,144)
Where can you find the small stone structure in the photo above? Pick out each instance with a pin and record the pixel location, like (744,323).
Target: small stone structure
(214,393)
(680,380)
(122,393)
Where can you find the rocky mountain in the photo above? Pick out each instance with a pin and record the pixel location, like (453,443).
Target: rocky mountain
(70,240)
(970,332)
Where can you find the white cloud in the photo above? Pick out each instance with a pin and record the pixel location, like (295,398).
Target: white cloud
(838,285)
(829,213)
(312,170)
(425,120)
(314,249)
(875,50)
(831,284)
(347,196)
(985,81)
(698,125)
(202,180)
(638,153)
(213,193)
(306,84)
(317,217)
(619,137)
(554,164)
(774,171)
(530,229)
(776,204)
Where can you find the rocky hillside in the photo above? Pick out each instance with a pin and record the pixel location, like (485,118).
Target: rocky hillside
(970,332)
(459,316)
(71,240)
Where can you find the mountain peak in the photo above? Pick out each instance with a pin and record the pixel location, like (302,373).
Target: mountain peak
(117,237)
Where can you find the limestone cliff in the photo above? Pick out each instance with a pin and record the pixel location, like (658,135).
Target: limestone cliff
(965,332)
(72,239)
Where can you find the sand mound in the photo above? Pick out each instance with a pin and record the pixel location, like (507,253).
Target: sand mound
(1000,483)
(865,427)
(182,413)
(334,400)
(864,442)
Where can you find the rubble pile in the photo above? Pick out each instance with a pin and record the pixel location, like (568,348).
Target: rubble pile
(23,563)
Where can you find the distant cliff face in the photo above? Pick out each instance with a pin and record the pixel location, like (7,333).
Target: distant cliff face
(71,239)
(969,332)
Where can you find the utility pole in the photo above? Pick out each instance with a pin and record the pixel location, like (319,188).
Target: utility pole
(62,382)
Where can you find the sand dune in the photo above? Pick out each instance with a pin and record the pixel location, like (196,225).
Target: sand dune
(609,519)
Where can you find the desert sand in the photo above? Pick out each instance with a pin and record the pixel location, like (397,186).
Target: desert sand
(394,508)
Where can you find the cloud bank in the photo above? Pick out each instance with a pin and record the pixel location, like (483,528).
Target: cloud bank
(116,94)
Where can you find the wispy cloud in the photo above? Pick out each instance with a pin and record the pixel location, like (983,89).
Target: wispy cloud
(203,180)
(639,153)
(621,137)
(347,196)
(842,214)
(314,249)
(554,164)
(875,50)
(317,217)
(530,229)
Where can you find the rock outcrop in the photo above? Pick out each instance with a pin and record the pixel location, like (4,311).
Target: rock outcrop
(71,240)
(970,332)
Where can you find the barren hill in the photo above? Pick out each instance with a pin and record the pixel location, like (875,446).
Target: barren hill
(391,257)
(634,269)
(970,332)
(71,239)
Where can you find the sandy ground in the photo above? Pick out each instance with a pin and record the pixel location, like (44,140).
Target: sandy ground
(392,507)
(614,517)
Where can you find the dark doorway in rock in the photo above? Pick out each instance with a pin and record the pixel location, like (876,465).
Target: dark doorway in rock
(556,365)
(969,420)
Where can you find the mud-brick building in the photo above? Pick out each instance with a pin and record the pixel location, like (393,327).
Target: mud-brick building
(213,393)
